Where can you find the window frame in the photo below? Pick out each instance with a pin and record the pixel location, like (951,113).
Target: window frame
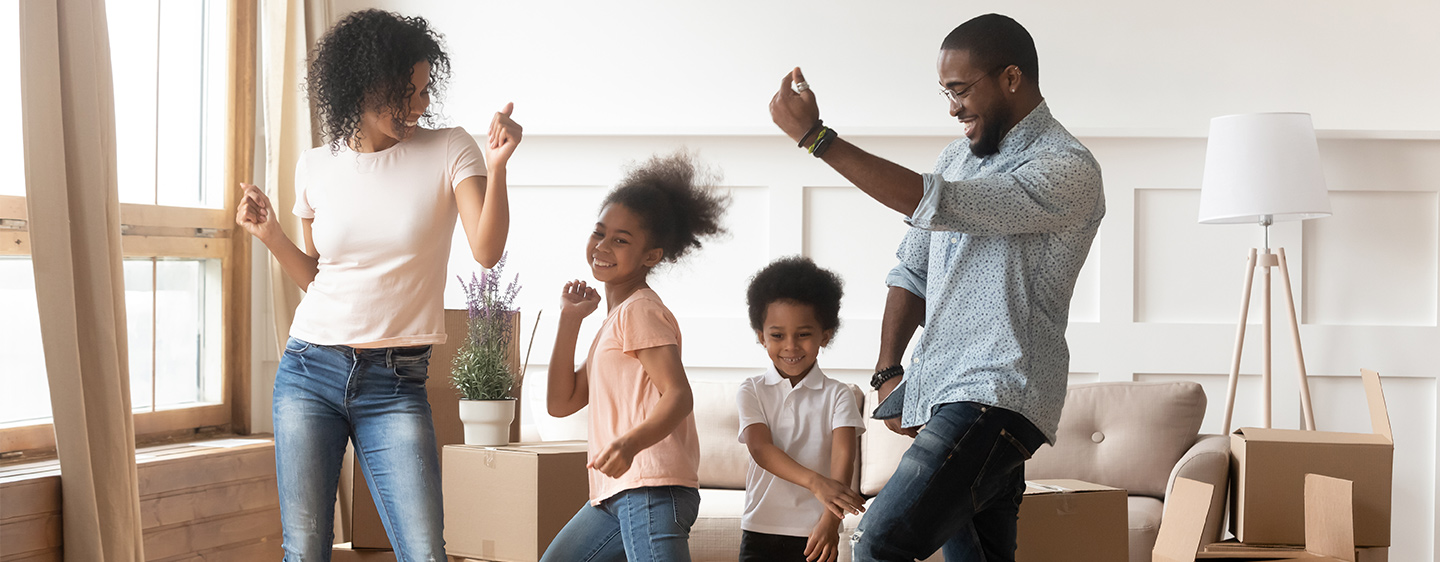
(158,231)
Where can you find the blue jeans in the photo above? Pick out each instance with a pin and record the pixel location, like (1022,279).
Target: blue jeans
(650,524)
(958,487)
(326,395)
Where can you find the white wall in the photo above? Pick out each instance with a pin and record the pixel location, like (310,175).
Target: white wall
(598,85)
(658,66)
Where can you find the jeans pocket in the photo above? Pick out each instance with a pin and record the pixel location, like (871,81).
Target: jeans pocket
(686,503)
(1006,455)
(411,355)
(296,345)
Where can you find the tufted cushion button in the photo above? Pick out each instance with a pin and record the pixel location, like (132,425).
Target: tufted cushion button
(1097,437)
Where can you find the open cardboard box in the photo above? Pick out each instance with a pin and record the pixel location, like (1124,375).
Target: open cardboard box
(1268,467)
(1329,521)
(1072,520)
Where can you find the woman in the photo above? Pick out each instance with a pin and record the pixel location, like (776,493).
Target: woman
(378,205)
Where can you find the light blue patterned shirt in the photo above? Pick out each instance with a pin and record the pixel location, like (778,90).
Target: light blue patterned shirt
(994,249)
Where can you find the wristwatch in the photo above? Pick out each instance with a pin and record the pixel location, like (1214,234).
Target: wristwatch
(885,374)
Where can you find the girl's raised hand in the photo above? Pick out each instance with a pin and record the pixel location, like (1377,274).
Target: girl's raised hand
(578,300)
(503,137)
(253,214)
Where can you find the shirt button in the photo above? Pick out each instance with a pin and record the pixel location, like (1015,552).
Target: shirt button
(954,239)
(1097,437)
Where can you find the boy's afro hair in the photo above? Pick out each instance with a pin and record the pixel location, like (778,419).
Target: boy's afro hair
(796,279)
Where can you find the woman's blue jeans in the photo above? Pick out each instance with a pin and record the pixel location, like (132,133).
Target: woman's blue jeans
(958,487)
(650,524)
(326,395)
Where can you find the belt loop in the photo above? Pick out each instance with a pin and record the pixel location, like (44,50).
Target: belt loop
(390,357)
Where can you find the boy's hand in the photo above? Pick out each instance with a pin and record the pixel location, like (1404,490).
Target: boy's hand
(837,498)
(577,300)
(614,460)
(824,542)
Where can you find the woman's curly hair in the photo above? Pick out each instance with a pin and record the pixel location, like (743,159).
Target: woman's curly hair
(368,59)
(796,279)
(675,200)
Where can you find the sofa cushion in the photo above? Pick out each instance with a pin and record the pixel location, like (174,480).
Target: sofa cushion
(1125,434)
(880,451)
(1144,526)
(723,459)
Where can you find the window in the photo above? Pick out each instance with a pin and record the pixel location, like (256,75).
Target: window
(171,64)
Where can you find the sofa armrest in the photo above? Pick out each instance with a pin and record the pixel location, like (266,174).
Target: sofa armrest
(1208,460)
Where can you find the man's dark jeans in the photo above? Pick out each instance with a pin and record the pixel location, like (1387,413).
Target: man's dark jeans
(958,487)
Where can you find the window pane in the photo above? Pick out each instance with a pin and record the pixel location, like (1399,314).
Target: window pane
(169,62)
(186,332)
(179,135)
(134,42)
(22,365)
(139,325)
(12,156)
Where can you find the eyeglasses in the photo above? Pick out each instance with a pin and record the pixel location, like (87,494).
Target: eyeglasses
(959,97)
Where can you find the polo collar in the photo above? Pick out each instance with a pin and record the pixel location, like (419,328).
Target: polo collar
(814,380)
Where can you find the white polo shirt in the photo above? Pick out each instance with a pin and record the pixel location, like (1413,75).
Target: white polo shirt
(801,420)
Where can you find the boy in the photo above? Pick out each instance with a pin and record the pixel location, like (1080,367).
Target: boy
(799,424)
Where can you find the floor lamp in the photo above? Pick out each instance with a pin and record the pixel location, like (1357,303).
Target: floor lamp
(1261,168)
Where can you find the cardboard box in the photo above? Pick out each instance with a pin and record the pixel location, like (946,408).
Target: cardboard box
(1328,513)
(1073,521)
(508,503)
(366,529)
(1268,468)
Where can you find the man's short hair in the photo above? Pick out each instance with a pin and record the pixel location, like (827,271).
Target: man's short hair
(994,42)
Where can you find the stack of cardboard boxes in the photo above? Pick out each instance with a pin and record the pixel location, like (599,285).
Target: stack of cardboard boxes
(1286,493)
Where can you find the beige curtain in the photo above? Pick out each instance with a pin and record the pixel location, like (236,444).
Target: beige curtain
(68,118)
(288,29)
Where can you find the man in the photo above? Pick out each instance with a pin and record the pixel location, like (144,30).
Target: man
(999,232)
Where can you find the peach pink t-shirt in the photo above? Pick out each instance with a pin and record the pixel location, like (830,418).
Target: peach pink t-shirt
(622,396)
(382,225)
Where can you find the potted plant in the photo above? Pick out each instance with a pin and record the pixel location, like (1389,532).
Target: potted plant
(484,370)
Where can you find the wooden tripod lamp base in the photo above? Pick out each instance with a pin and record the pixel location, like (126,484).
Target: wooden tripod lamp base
(1266,261)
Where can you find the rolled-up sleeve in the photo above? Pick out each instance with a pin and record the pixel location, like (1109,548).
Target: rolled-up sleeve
(1053,192)
(914,256)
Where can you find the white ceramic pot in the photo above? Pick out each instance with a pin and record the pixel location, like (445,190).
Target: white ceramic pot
(487,422)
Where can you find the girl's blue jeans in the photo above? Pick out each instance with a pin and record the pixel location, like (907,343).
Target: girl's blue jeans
(958,488)
(327,395)
(650,524)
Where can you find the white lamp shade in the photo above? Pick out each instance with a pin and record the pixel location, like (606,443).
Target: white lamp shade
(1262,164)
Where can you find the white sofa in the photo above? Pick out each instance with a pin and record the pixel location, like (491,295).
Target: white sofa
(1136,436)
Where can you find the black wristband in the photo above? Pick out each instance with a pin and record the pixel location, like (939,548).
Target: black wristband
(885,374)
(823,144)
(819,124)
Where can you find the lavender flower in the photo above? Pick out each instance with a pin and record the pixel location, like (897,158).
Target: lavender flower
(482,368)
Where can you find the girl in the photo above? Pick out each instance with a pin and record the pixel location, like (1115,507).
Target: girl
(644,453)
(799,425)
(378,206)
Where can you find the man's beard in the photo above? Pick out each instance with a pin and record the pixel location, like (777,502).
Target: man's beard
(990,135)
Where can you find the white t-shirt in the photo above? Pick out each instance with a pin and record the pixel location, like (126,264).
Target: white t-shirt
(801,420)
(382,226)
